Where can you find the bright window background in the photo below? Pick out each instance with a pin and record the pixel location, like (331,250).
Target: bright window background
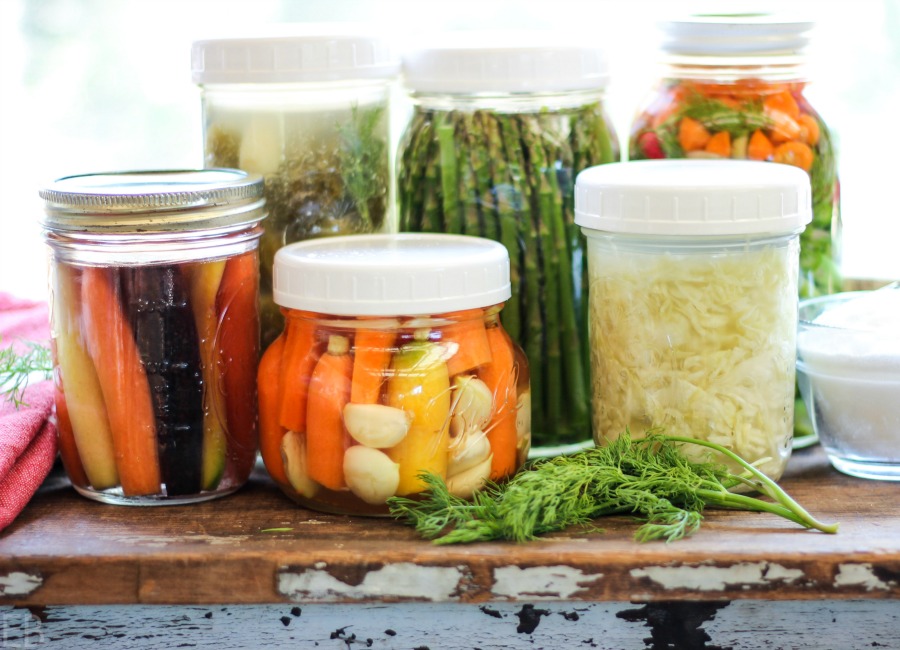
(101,85)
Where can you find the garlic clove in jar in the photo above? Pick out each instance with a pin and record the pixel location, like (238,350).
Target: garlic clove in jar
(472,405)
(293,454)
(370,474)
(466,483)
(376,425)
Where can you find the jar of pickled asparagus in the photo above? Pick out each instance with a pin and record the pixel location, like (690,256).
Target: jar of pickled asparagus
(308,108)
(393,363)
(693,270)
(155,331)
(501,124)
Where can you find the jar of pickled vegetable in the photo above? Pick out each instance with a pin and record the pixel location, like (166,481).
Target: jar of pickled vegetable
(309,110)
(500,127)
(734,86)
(393,363)
(693,271)
(155,331)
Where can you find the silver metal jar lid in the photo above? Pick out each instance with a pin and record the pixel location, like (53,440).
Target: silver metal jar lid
(153,201)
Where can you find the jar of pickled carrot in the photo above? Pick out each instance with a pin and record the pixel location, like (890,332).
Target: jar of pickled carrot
(393,364)
(154,280)
(735,86)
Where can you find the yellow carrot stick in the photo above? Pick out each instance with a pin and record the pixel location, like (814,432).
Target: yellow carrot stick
(419,383)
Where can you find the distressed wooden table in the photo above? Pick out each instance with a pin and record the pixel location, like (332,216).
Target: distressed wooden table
(254,570)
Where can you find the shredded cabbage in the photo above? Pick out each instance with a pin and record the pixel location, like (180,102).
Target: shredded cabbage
(701,344)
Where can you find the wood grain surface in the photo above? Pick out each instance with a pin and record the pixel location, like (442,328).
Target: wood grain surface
(256,546)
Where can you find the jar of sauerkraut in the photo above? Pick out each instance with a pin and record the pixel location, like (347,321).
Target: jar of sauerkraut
(309,109)
(692,269)
(393,363)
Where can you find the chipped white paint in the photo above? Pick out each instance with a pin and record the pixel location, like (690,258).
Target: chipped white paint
(400,580)
(860,575)
(150,541)
(715,578)
(541,582)
(19,583)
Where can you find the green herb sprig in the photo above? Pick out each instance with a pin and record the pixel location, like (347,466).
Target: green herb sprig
(17,369)
(649,478)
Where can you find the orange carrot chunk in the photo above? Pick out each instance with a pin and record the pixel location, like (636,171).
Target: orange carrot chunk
(720,144)
(329,392)
(759,147)
(692,136)
(270,430)
(797,154)
(500,377)
(468,336)
(372,352)
(809,129)
(123,382)
(782,102)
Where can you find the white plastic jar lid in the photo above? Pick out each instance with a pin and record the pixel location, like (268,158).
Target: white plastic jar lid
(488,62)
(391,275)
(314,53)
(693,197)
(737,34)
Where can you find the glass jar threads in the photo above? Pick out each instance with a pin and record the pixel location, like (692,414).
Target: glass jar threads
(309,110)
(693,300)
(501,125)
(155,331)
(393,362)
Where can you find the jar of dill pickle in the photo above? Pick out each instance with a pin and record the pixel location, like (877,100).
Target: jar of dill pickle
(393,362)
(500,126)
(155,329)
(308,108)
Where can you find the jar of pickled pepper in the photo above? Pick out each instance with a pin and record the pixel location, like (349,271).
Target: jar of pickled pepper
(393,362)
(309,109)
(155,331)
(501,125)
(734,86)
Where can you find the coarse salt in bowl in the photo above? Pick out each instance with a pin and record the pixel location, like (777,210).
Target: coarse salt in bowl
(848,362)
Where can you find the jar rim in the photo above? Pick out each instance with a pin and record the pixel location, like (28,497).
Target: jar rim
(153,200)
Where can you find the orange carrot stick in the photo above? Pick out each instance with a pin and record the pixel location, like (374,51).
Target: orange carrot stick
(372,352)
(238,351)
(329,392)
(300,356)
(68,450)
(123,381)
(500,377)
(270,430)
(469,334)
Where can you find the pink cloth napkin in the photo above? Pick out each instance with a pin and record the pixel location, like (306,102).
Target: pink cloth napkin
(27,433)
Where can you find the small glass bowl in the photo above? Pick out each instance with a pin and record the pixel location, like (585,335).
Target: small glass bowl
(848,363)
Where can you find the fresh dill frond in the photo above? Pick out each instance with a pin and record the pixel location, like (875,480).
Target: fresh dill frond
(17,369)
(648,478)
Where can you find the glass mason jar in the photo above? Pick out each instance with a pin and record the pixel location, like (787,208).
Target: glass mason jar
(155,331)
(693,271)
(497,134)
(733,86)
(310,112)
(393,362)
